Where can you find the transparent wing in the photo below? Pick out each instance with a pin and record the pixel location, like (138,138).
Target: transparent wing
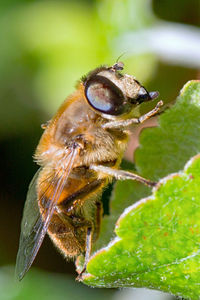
(34,226)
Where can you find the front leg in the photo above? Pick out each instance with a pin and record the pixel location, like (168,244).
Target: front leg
(129,122)
(121,174)
(87,252)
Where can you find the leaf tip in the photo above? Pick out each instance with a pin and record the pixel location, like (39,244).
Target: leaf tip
(187,85)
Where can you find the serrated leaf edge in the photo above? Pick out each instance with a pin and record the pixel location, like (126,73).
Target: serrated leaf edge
(160,183)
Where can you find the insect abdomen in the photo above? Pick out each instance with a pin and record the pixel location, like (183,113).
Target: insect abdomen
(74,214)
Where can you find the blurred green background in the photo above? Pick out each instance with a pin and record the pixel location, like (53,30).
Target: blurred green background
(45,47)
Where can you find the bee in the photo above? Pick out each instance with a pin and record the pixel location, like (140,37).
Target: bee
(79,153)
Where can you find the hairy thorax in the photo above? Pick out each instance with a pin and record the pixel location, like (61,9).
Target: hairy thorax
(77,122)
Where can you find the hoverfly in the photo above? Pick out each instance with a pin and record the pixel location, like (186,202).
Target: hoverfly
(79,153)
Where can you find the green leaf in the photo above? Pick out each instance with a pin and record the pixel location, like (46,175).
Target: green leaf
(157,243)
(163,149)
(166,148)
(158,239)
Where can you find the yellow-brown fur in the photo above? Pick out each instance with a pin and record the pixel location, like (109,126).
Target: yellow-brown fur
(75,118)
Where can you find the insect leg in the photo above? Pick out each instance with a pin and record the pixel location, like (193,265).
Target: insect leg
(88,246)
(97,221)
(121,174)
(87,251)
(126,123)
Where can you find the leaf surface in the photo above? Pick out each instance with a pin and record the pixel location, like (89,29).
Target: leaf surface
(157,239)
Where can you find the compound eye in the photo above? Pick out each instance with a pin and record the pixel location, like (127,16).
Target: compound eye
(104,96)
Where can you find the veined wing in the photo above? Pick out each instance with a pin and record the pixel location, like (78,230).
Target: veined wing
(34,226)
